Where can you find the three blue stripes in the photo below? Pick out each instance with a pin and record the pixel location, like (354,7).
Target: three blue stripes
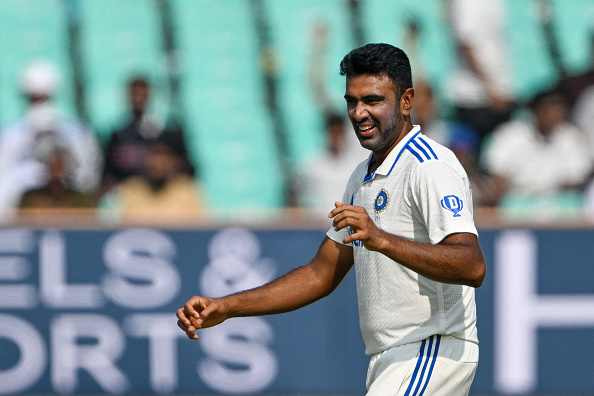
(429,155)
(425,375)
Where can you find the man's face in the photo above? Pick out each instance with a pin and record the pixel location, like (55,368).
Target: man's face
(551,112)
(374,110)
(139,95)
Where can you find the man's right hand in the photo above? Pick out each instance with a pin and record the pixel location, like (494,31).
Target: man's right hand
(199,313)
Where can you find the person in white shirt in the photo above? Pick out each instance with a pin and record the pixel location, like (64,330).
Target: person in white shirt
(405,224)
(540,161)
(21,166)
(480,86)
(320,179)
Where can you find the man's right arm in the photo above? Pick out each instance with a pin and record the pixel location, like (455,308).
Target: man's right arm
(296,289)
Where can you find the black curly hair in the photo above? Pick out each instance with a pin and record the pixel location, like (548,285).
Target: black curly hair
(378,59)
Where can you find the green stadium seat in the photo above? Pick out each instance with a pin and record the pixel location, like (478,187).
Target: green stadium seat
(120,39)
(31,30)
(531,64)
(390,20)
(574,24)
(224,104)
(291,28)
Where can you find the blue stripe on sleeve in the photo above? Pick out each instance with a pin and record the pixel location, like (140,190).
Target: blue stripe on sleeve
(428,146)
(401,150)
(415,154)
(417,145)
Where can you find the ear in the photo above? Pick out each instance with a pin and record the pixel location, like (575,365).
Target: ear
(406,101)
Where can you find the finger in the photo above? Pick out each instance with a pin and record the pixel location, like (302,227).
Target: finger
(346,219)
(189,330)
(351,238)
(344,224)
(348,210)
(208,310)
(181,315)
(189,308)
(340,207)
(196,323)
(336,205)
(340,217)
(191,334)
(182,325)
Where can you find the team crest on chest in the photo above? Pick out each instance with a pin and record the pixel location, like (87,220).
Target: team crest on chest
(381,201)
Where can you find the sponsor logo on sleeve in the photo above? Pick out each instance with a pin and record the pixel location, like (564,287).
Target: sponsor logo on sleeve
(453,204)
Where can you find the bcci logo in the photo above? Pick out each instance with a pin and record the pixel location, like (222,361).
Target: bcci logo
(381,201)
(453,204)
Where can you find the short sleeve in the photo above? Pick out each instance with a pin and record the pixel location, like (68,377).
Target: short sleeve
(443,200)
(340,235)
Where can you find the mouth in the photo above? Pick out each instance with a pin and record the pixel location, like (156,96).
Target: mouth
(366,131)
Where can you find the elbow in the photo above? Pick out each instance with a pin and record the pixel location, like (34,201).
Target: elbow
(478,273)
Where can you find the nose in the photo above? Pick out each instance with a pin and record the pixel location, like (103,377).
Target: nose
(359,112)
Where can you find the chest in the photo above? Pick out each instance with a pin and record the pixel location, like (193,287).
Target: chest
(390,204)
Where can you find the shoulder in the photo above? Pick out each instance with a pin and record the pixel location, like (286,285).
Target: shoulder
(425,153)
(570,130)
(12,130)
(428,160)
(73,127)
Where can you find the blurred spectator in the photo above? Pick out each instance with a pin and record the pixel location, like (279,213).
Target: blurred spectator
(541,161)
(458,137)
(583,114)
(163,191)
(57,192)
(320,181)
(579,90)
(126,149)
(480,87)
(21,168)
(411,45)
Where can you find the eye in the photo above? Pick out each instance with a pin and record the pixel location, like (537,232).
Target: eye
(373,100)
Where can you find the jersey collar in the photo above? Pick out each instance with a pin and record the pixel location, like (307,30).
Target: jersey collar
(386,167)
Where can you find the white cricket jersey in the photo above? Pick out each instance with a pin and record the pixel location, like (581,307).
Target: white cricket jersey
(420,192)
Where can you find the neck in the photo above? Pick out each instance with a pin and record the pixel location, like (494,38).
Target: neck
(379,156)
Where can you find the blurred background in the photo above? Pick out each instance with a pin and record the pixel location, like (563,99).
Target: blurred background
(154,149)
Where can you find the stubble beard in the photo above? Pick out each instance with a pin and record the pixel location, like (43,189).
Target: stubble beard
(385,137)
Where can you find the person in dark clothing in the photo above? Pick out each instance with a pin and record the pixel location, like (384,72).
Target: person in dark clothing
(126,150)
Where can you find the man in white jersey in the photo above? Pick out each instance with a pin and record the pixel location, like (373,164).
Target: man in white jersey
(405,223)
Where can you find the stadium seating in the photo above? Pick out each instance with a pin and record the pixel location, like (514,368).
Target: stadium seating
(222,95)
(390,20)
(119,39)
(570,24)
(222,91)
(31,30)
(292,26)
(533,69)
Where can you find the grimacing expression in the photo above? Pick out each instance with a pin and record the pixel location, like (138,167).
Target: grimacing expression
(373,107)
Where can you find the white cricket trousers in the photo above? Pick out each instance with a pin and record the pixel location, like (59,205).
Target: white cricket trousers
(438,366)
